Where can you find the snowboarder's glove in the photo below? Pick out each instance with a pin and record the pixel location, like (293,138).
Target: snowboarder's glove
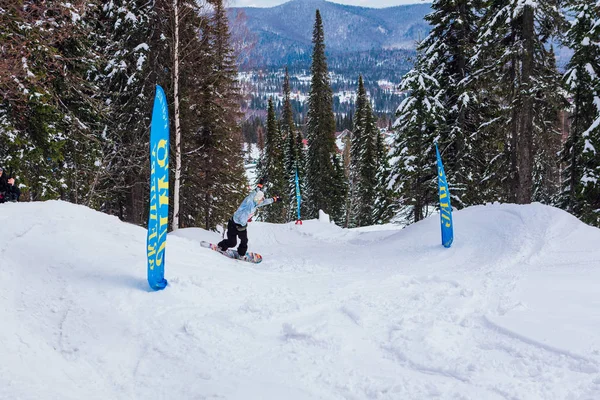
(276,199)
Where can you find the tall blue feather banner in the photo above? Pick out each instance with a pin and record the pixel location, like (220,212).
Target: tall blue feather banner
(445,207)
(158,219)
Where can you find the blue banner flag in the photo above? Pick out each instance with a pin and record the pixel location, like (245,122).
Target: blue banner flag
(158,219)
(298,198)
(445,207)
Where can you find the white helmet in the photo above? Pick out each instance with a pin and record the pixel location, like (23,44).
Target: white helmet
(259,196)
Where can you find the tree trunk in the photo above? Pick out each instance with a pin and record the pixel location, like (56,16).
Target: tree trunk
(175,225)
(574,178)
(525,134)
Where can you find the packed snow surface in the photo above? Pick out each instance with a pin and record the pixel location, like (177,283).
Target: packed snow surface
(511,311)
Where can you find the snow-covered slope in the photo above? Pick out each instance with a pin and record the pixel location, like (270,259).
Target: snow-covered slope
(509,312)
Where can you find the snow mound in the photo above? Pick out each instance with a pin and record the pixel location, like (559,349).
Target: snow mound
(509,311)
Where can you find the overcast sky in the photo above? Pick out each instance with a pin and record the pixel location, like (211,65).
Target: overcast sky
(363,3)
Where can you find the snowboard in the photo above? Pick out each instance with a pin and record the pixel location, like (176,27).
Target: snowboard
(250,257)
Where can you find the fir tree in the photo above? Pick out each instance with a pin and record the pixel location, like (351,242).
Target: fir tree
(213,177)
(50,108)
(127,45)
(580,191)
(448,49)
(413,176)
(547,139)
(358,140)
(511,65)
(383,209)
(339,189)
(323,190)
(592,139)
(368,172)
(363,164)
(272,168)
(346,160)
(293,151)
(301,157)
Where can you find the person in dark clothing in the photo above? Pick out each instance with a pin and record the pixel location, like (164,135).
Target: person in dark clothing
(8,190)
(236,227)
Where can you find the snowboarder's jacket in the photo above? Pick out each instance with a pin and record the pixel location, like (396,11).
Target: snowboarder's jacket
(248,207)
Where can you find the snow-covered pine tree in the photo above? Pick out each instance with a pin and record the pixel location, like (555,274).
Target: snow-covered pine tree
(339,190)
(363,160)
(272,169)
(80,105)
(346,159)
(126,47)
(301,158)
(367,190)
(50,108)
(446,54)
(592,139)
(510,64)
(413,163)
(260,138)
(357,149)
(581,171)
(293,154)
(213,177)
(260,171)
(383,209)
(547,139)
(323,186)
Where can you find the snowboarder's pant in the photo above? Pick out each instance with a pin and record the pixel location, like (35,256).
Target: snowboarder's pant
(233,232)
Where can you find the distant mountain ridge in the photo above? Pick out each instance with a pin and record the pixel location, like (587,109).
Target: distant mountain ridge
(284,32)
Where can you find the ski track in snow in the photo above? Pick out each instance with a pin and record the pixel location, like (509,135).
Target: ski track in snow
(329,314)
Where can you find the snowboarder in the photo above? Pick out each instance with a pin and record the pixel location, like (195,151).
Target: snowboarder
(236,227)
